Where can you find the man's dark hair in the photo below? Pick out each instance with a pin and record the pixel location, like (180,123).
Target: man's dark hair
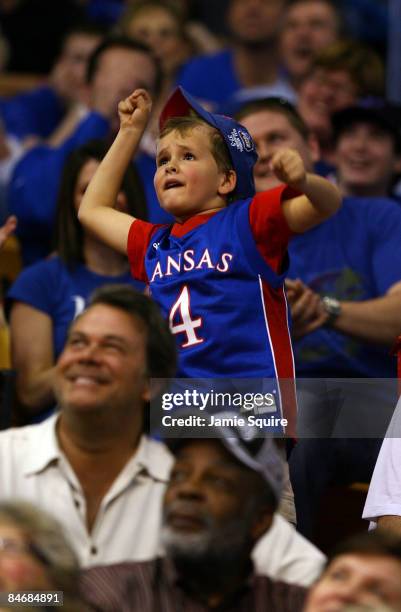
(275,105)
(69,234)
(123,42)
(85,27)
(160,344)
(378,542)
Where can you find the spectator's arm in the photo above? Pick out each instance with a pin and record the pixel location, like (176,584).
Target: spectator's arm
(32,355)
(321,198)
(97,212)
(7,229)
(377,320)
(307,312)
(390,523)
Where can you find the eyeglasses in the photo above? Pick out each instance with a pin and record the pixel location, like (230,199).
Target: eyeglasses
(15,547)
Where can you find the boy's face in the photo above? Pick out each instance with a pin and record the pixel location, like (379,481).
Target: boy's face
(188,180)
(366,160)
(270,132)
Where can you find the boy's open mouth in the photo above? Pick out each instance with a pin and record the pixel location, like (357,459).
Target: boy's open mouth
(172,184)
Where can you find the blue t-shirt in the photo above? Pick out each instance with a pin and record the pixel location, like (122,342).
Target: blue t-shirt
(33,189)
(59,292)
(354,256)
(212,78)
(34,113)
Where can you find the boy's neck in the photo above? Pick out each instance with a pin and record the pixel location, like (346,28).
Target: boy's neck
(209,211)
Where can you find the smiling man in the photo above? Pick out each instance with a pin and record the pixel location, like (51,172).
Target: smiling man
(368,149)
(91,465)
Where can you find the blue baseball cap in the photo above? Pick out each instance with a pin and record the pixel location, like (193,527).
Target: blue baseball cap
(237,138)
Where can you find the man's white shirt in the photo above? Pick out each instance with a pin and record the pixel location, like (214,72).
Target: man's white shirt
(127,526)
(384,495)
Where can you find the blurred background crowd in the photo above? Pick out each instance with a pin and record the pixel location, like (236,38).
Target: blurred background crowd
(320,76)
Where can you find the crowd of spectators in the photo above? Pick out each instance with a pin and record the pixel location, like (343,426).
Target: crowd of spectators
(93,501)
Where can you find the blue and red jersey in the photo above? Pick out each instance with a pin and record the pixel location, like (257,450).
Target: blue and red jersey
(218,279)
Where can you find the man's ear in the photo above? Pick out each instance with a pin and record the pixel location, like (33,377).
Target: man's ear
(153,389)
(147,394)
(262,523)
(228,182)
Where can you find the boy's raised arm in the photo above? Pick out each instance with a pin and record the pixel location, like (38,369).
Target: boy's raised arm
(320,199)
(97,211)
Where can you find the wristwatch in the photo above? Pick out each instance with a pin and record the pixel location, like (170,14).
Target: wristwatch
(332,307)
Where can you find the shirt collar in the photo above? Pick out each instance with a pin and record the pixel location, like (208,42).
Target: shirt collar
(43,448)
(180,229)
(152,457)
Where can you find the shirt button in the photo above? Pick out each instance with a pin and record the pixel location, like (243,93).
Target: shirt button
(76,503)
(93,550)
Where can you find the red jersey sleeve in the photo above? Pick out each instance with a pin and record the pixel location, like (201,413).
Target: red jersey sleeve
(139,236)
(269,226)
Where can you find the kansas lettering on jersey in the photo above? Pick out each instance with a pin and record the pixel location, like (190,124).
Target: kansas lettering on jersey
(185,262)
(224,303)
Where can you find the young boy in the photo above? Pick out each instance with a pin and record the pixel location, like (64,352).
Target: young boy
(218,272)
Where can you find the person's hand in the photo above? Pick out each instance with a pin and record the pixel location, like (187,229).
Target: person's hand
(134,111)
(307,312)
(7,229)
(289,168)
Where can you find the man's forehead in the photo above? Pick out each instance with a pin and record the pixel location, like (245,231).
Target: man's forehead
(308,6)
(366,562)
(266,120)
(106,320)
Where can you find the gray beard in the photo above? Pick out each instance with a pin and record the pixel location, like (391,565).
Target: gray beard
(214,544)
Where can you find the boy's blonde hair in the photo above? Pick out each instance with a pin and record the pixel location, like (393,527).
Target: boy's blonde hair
(218,147)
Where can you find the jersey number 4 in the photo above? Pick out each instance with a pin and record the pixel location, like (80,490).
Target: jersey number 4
(181,322)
